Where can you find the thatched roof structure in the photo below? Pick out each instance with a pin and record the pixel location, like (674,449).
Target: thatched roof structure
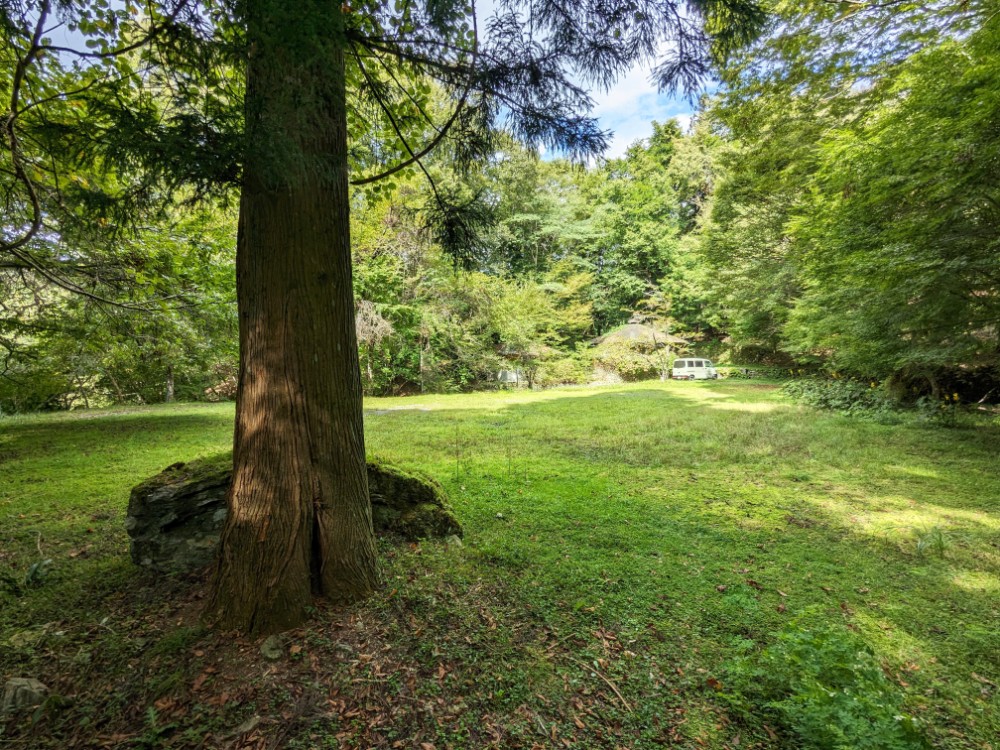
(639,334)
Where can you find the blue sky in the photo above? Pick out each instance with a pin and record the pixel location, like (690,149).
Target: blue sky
(630,107)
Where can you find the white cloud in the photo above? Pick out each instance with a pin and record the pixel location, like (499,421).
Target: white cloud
(630,106)
(685,121)
(632,86)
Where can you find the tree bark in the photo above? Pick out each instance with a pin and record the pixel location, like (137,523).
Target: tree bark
(299,520)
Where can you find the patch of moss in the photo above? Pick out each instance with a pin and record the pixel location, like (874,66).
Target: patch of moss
(201,469)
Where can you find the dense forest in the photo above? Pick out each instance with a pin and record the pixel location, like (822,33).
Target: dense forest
(833,208)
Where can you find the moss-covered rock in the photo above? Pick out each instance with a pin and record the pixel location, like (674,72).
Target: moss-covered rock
(409,504)
(175,518)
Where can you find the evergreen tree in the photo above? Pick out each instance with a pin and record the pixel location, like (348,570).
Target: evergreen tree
(299,520)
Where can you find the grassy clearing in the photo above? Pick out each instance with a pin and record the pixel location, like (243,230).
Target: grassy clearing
(627,549)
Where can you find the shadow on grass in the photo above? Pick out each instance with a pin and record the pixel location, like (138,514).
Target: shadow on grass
(685,523)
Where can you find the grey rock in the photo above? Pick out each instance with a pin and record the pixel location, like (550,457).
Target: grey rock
(453,541)
(175,518)
(20,693)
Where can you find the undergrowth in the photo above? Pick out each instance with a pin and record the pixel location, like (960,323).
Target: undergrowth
(873,400)
(822,684)
(844,396)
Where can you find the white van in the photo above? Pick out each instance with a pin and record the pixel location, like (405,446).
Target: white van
(692,368)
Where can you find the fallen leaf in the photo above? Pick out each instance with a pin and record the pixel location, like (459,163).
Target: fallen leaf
(714,683)
(721,587)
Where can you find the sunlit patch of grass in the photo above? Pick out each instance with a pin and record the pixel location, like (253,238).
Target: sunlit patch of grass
(913,471)
(756,407)
(892,514)
(977,581)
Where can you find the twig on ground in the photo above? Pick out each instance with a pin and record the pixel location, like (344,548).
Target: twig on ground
(609,683)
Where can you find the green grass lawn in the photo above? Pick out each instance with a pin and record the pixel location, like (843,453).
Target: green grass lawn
(659,564)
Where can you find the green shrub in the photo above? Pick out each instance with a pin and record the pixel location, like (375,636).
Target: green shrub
(946,412)
(564,371)
(36,384)
(824,686)
(844,396)
(932,541)
(631,363)
(756,372)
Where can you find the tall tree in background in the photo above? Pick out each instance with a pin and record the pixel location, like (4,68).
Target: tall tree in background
(899,236)
(793,108)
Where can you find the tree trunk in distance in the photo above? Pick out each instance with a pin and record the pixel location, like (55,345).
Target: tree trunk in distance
(168,396)
(299,520)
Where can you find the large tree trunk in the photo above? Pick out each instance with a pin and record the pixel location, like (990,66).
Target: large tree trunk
(299,518)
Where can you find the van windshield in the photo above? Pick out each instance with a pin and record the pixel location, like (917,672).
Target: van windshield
(680,363)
